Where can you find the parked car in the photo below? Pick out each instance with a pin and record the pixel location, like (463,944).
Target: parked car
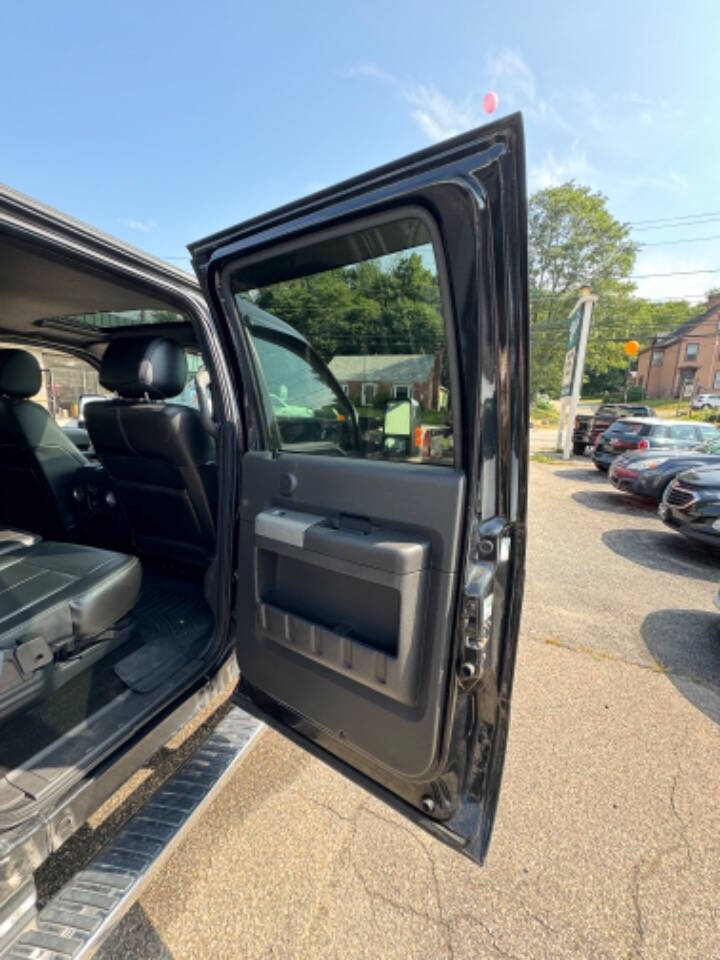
(345,597)
(705,401)
(646,473)
(588,427)
(691,505)
(645,433)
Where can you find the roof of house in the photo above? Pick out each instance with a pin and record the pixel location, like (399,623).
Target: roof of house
(662,340)
(392,367)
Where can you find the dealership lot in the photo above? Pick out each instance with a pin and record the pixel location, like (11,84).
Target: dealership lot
(608,832)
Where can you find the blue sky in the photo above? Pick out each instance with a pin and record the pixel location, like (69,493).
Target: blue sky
(160,122)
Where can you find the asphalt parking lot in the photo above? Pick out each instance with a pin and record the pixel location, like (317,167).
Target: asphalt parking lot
(607,842)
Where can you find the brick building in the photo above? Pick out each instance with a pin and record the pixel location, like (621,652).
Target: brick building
(685,360)
(366,379)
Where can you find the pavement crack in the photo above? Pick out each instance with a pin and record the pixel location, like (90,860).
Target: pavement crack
(336,813)
(645,868)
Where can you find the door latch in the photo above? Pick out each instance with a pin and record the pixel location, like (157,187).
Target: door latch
(489,554)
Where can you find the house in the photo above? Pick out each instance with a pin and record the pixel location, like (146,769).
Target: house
(687,360)
(367,379)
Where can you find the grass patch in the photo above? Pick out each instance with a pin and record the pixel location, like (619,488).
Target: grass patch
(544,458)
(544,413)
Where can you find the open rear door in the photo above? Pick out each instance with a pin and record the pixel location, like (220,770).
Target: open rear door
(379,335)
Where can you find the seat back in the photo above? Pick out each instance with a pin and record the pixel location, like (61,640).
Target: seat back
(159,457)
(38,462)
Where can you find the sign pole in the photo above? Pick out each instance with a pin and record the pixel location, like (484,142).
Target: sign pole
(587,301)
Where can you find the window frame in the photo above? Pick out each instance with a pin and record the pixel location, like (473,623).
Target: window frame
(656,358)
(402,386)
(260,433)
(696,348)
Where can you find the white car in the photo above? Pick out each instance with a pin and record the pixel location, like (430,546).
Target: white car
(704,401)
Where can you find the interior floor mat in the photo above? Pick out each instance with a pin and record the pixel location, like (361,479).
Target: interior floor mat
(35,729)
(173,622)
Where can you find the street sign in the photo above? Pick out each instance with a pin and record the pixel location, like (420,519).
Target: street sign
(571,351)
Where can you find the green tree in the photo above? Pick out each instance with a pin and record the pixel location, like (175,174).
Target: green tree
(575,241)
(369,308)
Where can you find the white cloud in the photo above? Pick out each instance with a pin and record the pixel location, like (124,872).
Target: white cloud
(370,69)
(509,71)
(553,170)
(142,226)
(437,115)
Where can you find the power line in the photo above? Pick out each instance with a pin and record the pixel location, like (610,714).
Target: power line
(684,216)
(665,243)
(681,223)
(672,273)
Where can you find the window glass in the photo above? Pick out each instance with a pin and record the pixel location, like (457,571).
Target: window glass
(691,351)
(657,358)
(659,432)
(708,432)
(349,343)
(629,427)
(68,383)
(716,384)
(188,395)
(683,431)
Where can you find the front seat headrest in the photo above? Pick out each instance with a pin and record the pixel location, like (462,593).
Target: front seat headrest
(138,366)
(20,374)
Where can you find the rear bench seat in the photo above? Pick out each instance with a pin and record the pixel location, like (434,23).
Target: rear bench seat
(62,607)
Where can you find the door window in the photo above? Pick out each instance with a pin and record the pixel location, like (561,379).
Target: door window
(683,431)
(371,319)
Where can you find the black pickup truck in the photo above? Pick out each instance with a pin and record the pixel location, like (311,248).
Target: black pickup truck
(251,542)
(588,427)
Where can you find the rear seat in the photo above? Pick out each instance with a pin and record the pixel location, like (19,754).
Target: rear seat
(62,607)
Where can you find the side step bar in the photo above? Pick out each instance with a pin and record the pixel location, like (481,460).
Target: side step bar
(78,918)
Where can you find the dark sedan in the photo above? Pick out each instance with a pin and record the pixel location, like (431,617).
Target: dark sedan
(691,505)
(646,473)
(648,433)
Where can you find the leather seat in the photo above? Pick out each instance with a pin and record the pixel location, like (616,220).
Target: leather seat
(159,456)
(63,606)
(38,462)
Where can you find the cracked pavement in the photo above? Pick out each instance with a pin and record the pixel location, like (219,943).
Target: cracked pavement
(607,839)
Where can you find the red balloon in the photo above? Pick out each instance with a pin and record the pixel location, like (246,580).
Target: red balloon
(490,102)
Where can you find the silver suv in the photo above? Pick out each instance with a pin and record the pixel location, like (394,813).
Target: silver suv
(704,401)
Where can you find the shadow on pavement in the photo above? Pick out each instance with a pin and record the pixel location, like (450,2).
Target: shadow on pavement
(587,475)
(135,936)
(687,644)
(612,502)
(658,550)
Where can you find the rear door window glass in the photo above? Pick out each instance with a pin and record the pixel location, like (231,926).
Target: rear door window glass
(350,346)
(683,431)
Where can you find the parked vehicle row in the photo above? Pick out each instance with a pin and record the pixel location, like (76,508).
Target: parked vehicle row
(589,427)
(672,463)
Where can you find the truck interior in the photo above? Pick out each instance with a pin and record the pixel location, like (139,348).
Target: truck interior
(107,530)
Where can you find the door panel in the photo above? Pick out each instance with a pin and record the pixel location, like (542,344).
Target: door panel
(371,657)
(381,551)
